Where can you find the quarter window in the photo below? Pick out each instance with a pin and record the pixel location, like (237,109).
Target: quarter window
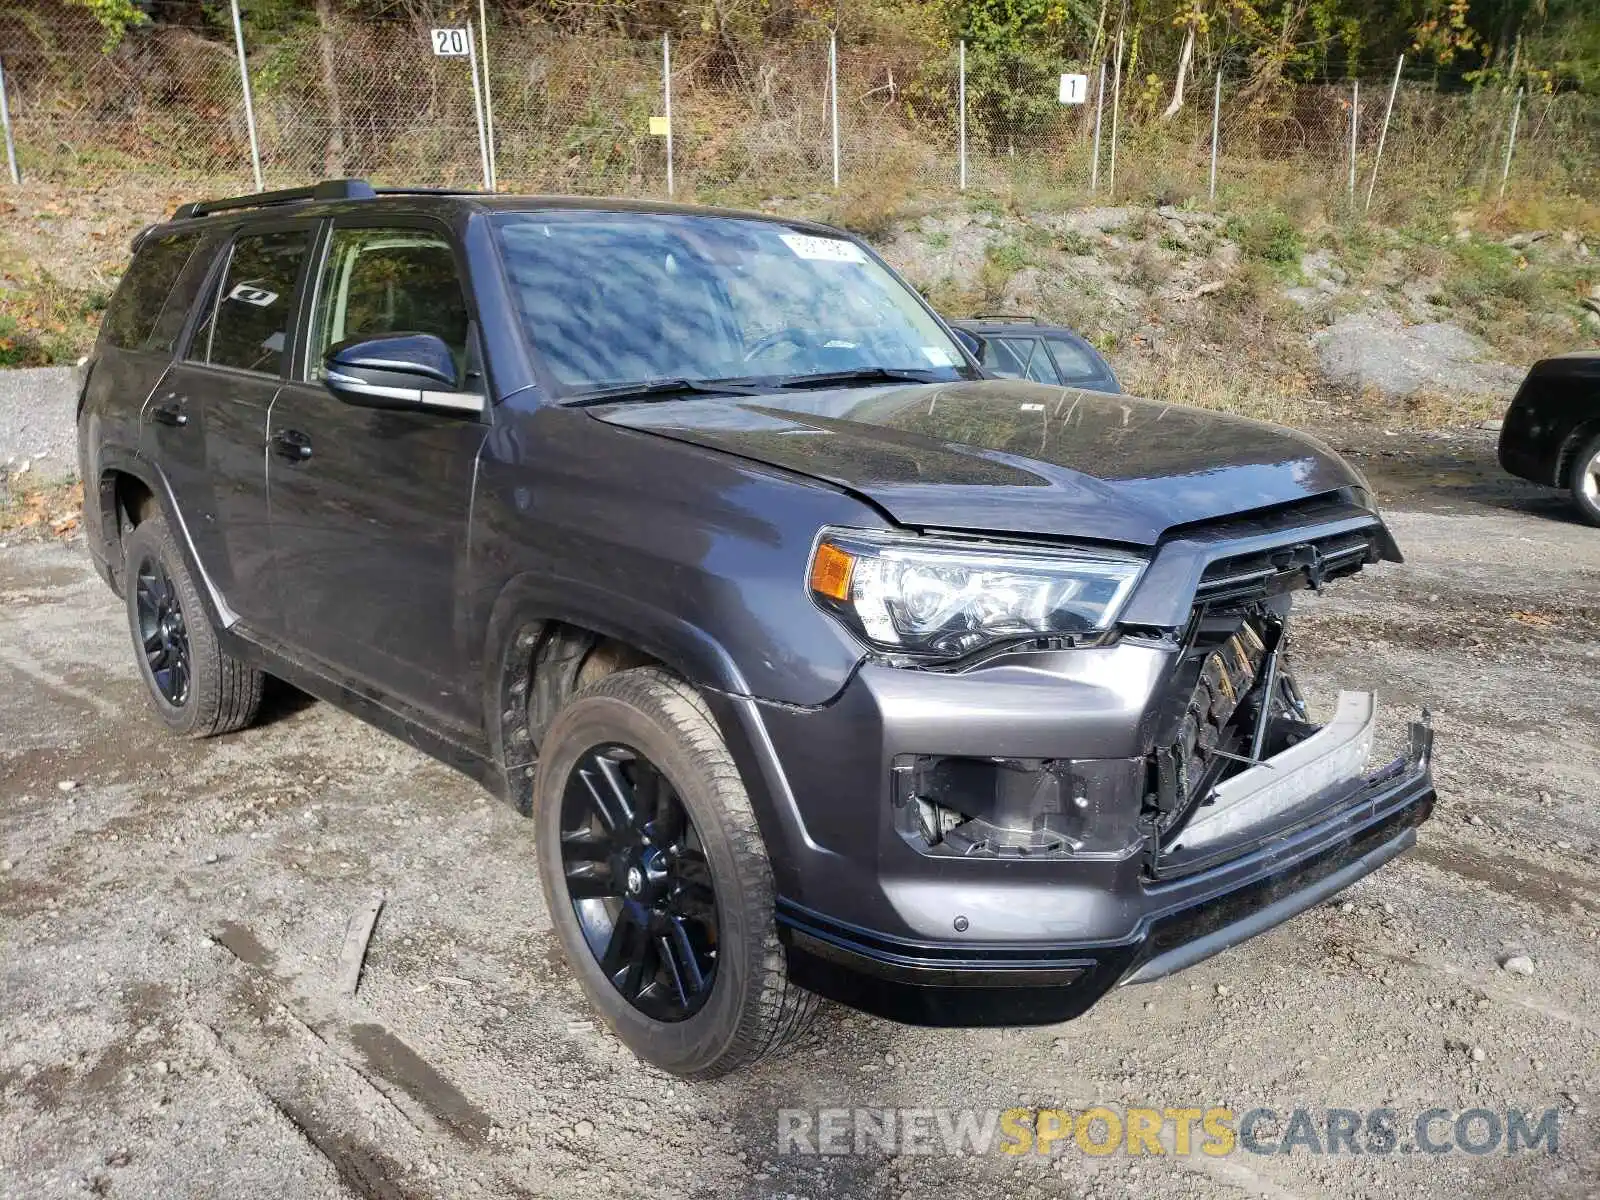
(249,326)
(131,317)
(379,281)
(1075,363)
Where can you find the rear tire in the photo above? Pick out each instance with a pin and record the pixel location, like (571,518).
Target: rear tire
(195,688)
(1584,481)
(672,761)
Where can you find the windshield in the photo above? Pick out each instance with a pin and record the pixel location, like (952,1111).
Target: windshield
(616,298)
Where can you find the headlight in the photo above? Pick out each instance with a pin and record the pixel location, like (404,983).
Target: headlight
(945,598)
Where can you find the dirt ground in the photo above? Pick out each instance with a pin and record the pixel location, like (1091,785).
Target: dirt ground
(172,913)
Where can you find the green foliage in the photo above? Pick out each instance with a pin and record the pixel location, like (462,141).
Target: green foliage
(116,17)
(1267,234)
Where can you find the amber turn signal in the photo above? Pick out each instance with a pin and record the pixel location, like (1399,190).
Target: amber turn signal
(830,572)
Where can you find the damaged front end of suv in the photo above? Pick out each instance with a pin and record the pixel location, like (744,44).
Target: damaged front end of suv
(1197,802)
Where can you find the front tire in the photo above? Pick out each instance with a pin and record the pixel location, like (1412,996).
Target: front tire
(196,688)
(657,879)
(1584,481)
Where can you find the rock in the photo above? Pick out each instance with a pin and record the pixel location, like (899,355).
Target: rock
(1347,908)
(1521,241)
(584,1128)
(1474,819)
(67,785)
(1223,989)
(1517,964)
(1377,350)
(1493,424)
(1196,217)
(162,1068)
(1477,1054)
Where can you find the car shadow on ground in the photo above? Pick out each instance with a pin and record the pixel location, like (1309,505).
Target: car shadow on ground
(1431,474)
(280,700)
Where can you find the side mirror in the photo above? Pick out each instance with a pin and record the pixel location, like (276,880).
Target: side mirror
(400,371)
(974,344)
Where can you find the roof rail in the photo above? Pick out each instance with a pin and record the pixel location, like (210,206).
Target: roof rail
(328,189)
(1005,316)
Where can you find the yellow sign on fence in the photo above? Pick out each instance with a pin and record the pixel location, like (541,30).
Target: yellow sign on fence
(658,127)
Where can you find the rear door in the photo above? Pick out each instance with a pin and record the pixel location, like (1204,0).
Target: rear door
(370,507)
(209,414)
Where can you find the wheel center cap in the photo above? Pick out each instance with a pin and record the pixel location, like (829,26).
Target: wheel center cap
(635,881)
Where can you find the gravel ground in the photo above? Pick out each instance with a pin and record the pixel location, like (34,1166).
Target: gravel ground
(172,913)
(36,422)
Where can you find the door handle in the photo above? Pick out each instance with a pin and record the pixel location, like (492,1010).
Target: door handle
(170,410)
(292,445)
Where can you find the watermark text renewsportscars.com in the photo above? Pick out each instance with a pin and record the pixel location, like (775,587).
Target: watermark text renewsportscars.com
(1103,1130)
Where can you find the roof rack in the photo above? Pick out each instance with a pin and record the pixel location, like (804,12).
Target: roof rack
(328,189)
(1005,316)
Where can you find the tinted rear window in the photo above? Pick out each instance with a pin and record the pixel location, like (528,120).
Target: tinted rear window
(131,317)
(249,325)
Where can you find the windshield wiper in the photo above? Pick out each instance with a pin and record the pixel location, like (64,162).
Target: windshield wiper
(859,375)
(663,389)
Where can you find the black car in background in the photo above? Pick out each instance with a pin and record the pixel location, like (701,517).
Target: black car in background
(1551,434)
(822,661)
(1022,347)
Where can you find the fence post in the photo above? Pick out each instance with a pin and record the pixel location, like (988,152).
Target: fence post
(1116,109)
(666,101)
(249,102)
(1099,106)
(1511,142)
(1216,114)
(1355,111)
(833,100)
(5,119)
(488,100)
(961,111)
(1383,134)
(477,107)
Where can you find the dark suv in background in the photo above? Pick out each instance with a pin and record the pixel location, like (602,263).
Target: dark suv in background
(825,662)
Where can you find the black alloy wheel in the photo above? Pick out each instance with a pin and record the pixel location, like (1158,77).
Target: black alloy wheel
(640,884)
(162,633)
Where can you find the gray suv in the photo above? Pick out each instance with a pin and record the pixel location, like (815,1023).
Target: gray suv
(825,663)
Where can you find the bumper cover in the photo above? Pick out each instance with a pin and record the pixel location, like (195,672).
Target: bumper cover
(1349,834)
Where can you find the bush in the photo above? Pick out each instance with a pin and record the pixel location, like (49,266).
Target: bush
(1267,234)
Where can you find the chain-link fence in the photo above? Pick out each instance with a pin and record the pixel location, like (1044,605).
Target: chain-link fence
(334,97)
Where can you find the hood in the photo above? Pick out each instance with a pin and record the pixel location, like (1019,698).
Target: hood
(1006,455)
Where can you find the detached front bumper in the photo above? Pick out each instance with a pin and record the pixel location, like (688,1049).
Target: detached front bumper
(1035,939)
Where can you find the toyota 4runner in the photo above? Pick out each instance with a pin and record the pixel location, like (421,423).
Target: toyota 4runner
(824,662)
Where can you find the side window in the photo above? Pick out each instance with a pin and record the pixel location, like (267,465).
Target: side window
(132,314)
(378,281)
(1075,364)
(1035,359)
(1019,358)
(248,326)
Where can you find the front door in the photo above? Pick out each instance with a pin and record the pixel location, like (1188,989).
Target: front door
(370,507)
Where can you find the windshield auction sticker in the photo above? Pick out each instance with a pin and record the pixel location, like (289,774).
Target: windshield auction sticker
(823,249)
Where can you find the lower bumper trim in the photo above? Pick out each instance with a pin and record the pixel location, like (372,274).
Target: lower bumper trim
(961,984)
